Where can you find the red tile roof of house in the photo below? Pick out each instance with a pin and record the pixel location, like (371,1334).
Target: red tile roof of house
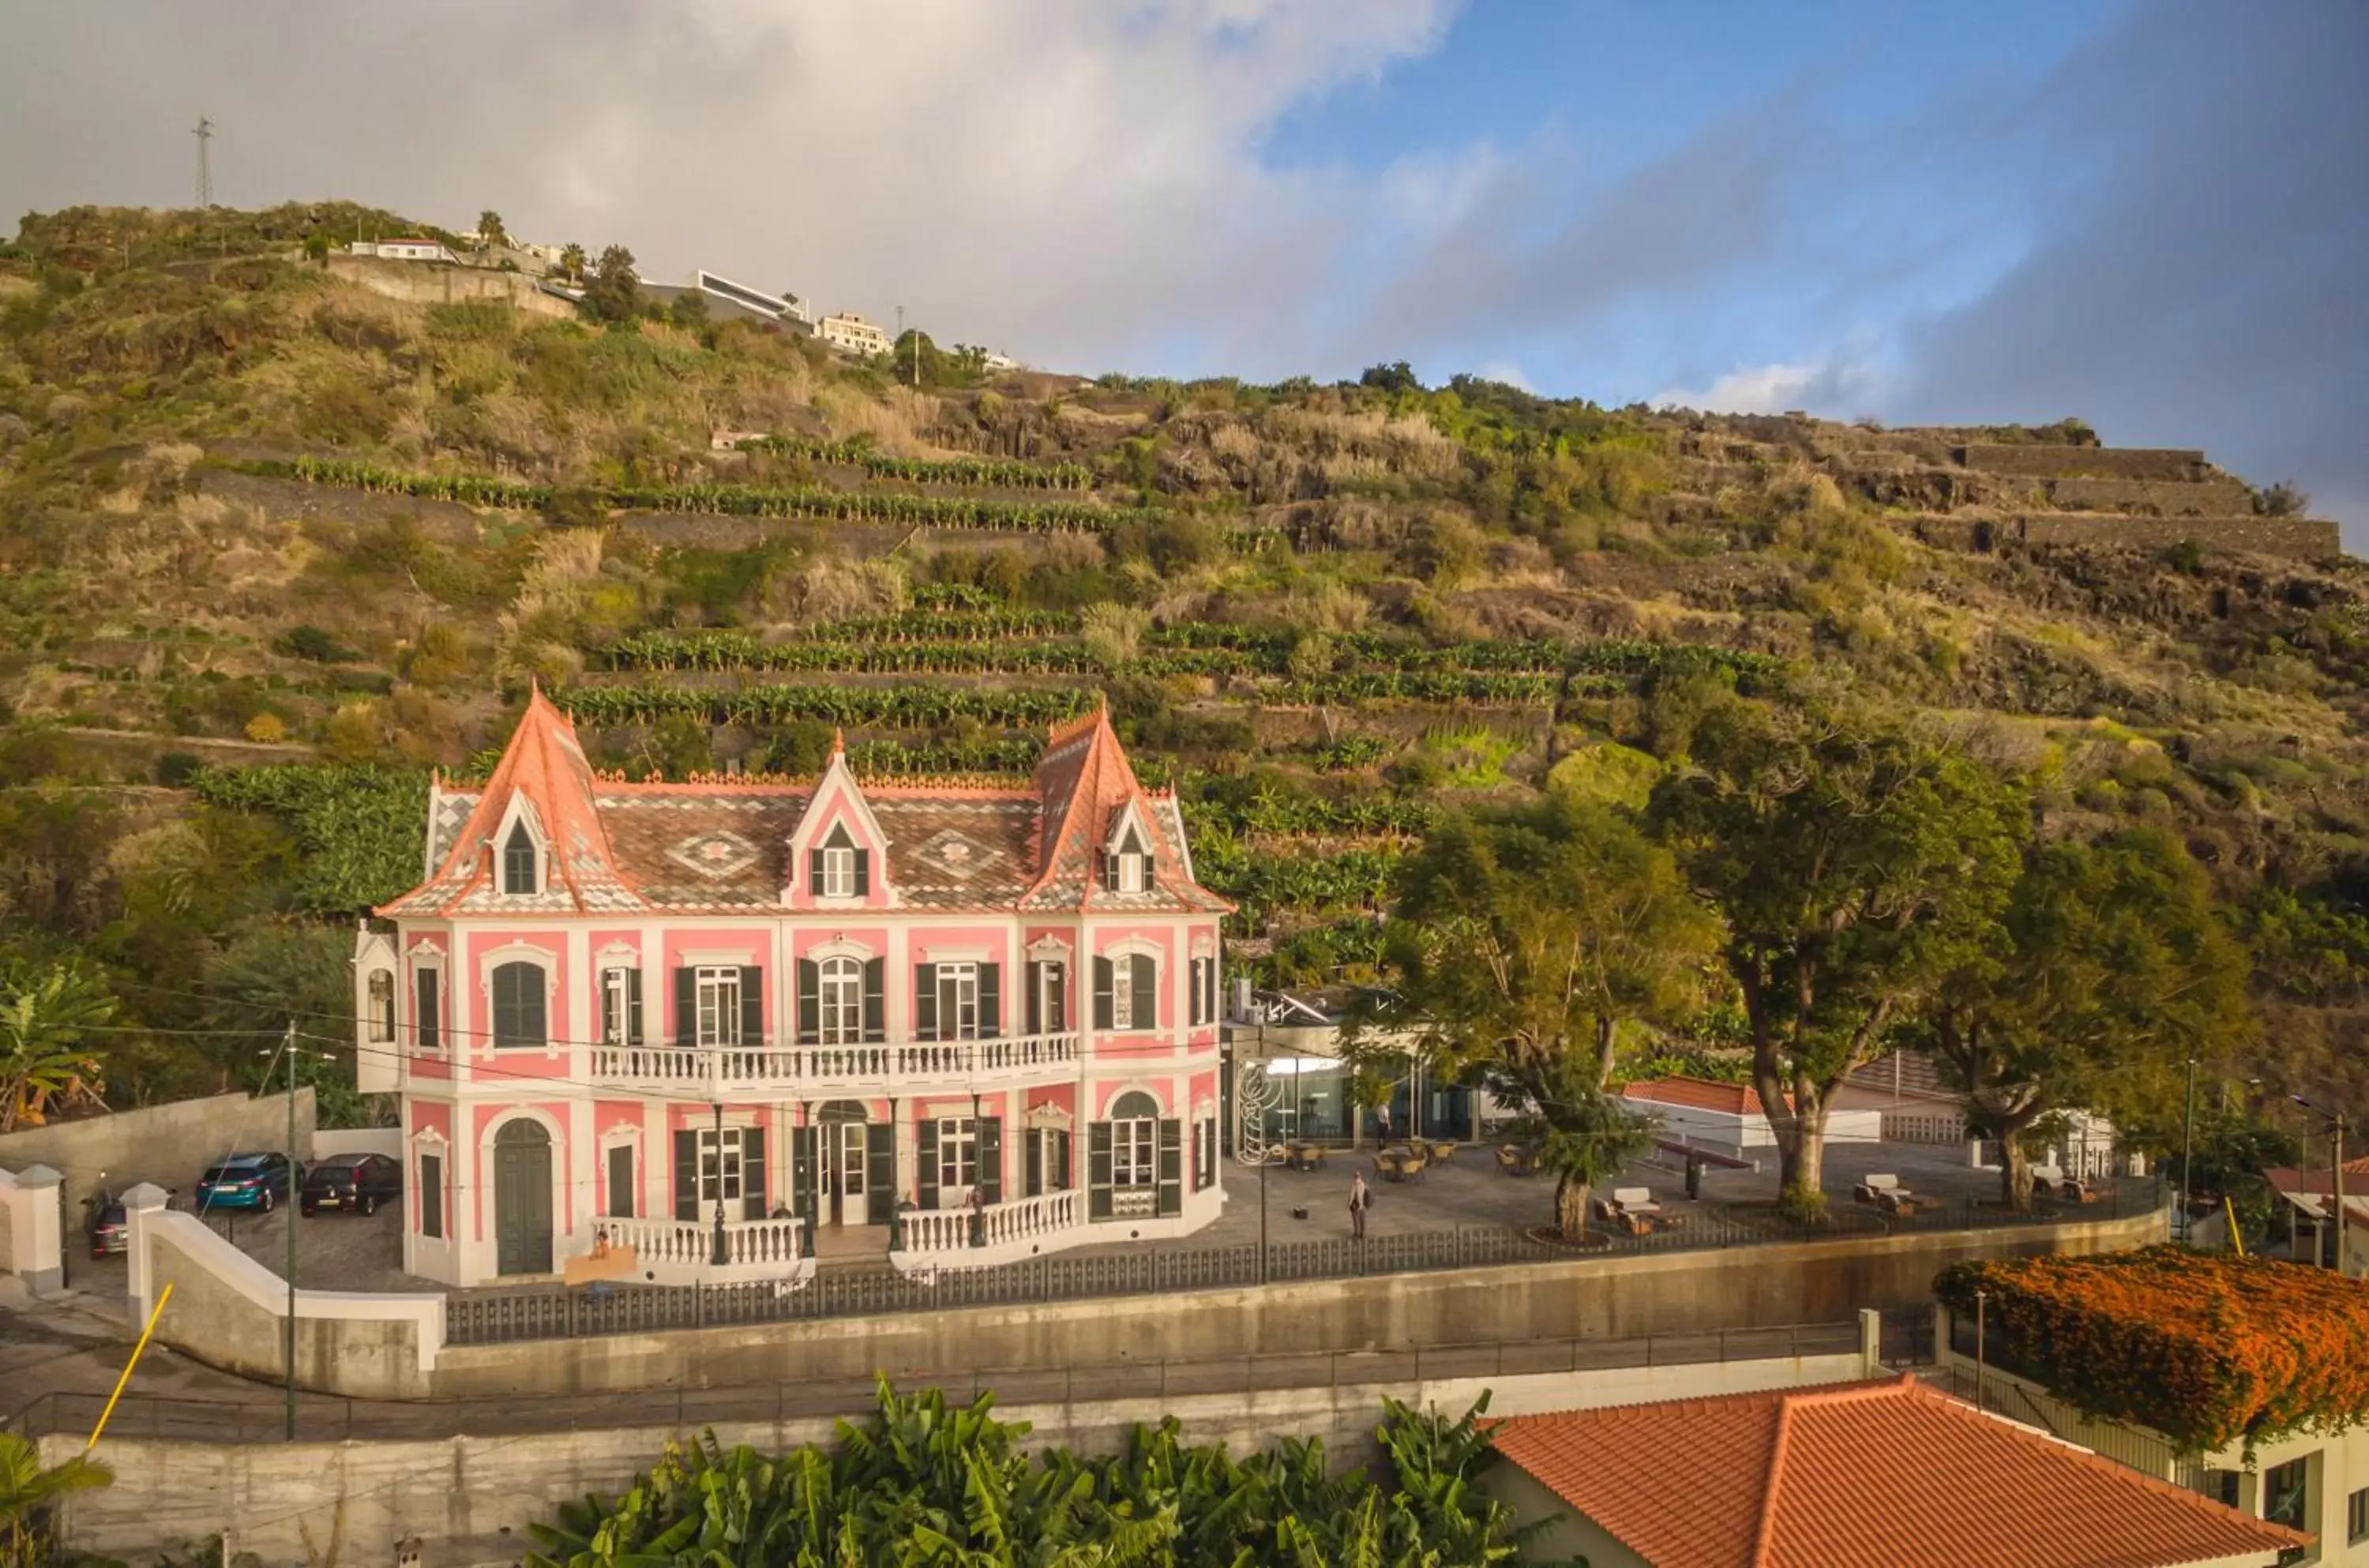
(1865,1475)
(1699,1094)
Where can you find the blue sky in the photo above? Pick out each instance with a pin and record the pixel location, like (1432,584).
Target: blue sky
(2150,216)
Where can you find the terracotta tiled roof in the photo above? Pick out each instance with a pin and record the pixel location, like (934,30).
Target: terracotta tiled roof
(1700,1095)
(2322,1179)
(721,845)
(1866,1475)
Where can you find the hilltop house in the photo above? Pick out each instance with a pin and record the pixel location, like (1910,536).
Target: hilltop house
(407,248)
(851,334)
(732,1025)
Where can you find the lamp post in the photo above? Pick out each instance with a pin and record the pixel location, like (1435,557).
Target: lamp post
(1262,1153)
(2187,1147)
(719,1254)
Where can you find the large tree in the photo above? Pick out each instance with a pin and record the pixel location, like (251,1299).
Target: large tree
(1858,863)
(2112,969)
(1524,941)
(615,291)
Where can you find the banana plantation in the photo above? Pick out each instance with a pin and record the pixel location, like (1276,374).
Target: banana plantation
(930,1486)
(1000,473)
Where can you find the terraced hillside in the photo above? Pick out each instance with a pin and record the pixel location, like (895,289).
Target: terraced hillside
(272,545)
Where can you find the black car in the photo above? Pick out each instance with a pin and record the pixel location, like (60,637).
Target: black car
(358,1181)
(110,1231)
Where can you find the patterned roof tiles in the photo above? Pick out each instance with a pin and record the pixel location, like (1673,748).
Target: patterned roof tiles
(1886,1474)
(722,843)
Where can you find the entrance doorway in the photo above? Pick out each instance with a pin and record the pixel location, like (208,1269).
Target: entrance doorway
(522,1198)
(843,1148)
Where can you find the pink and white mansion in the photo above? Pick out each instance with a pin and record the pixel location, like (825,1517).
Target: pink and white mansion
(730,1026)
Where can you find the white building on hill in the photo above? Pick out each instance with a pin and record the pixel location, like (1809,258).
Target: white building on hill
(405,247)
(850,333)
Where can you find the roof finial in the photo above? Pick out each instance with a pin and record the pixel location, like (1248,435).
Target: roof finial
(838,741)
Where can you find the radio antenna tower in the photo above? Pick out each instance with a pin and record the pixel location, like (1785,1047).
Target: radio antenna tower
(205,133)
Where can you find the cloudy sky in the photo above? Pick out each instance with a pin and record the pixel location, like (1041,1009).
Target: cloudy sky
(2155,216)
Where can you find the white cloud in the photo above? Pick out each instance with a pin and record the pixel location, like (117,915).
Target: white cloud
(1075,180)
(1843,385)
(1507,372)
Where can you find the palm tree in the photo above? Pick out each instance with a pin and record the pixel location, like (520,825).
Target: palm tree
(41,1025)
(572,261)
(28,1492)
(490,231)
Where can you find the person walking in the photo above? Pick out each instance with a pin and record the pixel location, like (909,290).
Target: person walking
(1382,1121)
(1360,1200)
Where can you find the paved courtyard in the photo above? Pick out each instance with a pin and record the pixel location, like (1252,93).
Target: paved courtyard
(345,1252)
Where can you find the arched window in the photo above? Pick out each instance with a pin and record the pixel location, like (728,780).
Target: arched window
(518,1004)
(381,1006)
(1135,1140)
(519,868)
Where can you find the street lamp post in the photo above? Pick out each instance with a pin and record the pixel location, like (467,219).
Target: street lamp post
(2187,1147)
(2338,1125)
(719,1254)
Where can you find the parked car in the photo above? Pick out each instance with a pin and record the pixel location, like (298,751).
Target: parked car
(358,1182)
(245,1181)
(110,1229)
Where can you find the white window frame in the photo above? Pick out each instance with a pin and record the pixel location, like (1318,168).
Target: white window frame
(839,1000)
(520,824)
(1134,1153)
(716,1004)
(959,983)
(616,1005)
(957,1159)
(1123,988)
(1134,863)
(380,988)
(722,1166)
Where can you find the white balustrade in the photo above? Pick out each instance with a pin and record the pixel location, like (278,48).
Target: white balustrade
(1000,1225)
(815,1068)
(751,1245)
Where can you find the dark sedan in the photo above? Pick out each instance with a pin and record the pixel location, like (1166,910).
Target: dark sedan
(358,1182)
(110,1231)
(245,1181)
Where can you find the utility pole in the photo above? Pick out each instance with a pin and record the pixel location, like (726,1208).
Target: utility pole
(205,133)
(2337,1171)
(295,1202)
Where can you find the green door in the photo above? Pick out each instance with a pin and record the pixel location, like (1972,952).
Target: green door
(522,1198)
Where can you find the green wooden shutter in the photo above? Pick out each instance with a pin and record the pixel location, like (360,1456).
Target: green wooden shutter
(1172,1165)
(1102,993)
(1146,976)
(1031,975)
(862,873)
(876,1000)
(991,1000)
(752,1005)
(809,1001)
(925,1184)
(686,1006)
(1060,1178)
(805,1202)
(880,1174)
(990,1159)
(752,1172)
(686,1175)
(1098,1170)
(1036,1175)
(634,1007)
(925,1003)
(814,871)
(1059,995)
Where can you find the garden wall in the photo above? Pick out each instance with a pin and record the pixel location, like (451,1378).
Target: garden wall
(169,1145)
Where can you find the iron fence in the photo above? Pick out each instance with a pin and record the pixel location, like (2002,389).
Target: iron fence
(324,1419)
(560,1311)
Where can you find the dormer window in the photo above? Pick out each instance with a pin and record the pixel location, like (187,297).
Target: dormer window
(840,870)
(520,874)
(1127,868)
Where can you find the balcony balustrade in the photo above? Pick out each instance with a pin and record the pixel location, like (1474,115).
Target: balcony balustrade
(997,1233)
(679,1251)
(818,1071)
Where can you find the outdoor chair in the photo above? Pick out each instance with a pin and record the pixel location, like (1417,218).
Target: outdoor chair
(1312,1155)
(1386,1165)
(1602,1209)
(1872,1190)
(1411,1168)
(1635,1200)
(2076,1190)
(1442,1153)
(1513,1161)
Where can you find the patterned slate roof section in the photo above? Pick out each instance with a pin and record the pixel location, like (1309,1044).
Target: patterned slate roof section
(723,845)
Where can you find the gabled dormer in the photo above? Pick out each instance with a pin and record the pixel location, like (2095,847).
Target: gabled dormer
(1127,863)
(838,854)
(522,851)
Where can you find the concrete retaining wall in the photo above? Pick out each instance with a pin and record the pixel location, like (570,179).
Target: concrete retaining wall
(386,1140)
(431,282)
(1761,1286)
(470,1499)
(227,1311)
(168,1145)
(2152,497)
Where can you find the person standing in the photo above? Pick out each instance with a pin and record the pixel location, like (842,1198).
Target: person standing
(1382,1121)
(1360,1200)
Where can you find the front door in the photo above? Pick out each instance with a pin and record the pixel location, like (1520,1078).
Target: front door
(522,1199)
(843,1147)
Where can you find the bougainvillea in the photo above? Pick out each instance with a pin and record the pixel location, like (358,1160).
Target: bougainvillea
(2208,1348)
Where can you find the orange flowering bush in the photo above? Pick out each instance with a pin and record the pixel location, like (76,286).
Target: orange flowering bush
(2208,1348)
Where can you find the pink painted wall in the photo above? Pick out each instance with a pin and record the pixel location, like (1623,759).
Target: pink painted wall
(1074,998)
(472,1008)
(608,1116)
(993,940)
(1160,1088)
(1164,938)
(805,940)
(437,1065)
